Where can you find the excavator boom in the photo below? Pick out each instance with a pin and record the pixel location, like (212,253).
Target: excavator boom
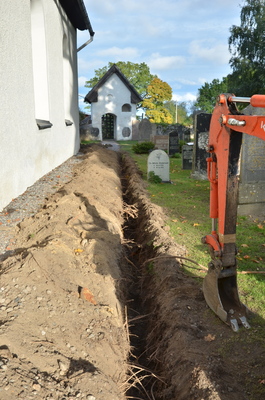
(225,140)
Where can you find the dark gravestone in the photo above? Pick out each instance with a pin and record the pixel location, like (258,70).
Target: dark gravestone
(135,129)
(173,143)
(252,172)
(201,128)
(145,130)
(187,156)
(183,133)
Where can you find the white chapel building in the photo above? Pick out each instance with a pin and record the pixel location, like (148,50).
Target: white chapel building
(113,106)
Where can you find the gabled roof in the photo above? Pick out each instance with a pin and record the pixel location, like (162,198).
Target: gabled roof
(77,14)
(92,96)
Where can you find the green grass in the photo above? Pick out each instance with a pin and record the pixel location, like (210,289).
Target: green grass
(186,202)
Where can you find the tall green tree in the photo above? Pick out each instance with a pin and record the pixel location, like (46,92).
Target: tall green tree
(138,75)
(247,46)
(158,92)
(208,94)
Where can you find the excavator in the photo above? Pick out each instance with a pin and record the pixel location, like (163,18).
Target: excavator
(225,139)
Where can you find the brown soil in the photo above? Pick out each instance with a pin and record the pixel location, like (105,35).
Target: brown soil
(85,314)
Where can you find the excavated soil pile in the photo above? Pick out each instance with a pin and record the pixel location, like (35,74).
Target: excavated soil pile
(95,305)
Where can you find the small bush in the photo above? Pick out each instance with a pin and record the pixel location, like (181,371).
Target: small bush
(153,178)
(143,148)
(176,155)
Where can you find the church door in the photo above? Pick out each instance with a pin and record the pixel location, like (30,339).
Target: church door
(108,126)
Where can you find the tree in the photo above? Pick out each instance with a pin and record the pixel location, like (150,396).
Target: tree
(208,94)
(247,46)
(157,93)
(137,74)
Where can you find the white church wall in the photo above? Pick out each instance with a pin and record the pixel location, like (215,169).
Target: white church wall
(26,152)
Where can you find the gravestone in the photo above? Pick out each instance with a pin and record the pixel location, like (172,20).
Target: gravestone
(201,128)
(145,129)
(183,133)
(161,142)
(135,129)
(173,143)
(158,162)
(187,156)
(252,172)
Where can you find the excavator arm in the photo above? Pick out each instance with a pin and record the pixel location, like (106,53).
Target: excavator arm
(225,139)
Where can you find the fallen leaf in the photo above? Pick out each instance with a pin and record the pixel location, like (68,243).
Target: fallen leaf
(174,220)
(79,251)
(244,245)
(195,224)
(260,226)
(246,257)
(256,261)
(209,338)
(85,294)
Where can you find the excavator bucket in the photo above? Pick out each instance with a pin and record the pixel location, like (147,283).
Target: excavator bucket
(221,294)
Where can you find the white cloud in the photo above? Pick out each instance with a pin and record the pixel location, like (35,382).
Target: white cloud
(160,63)
(209,50)
(187,82)
(185,97)
(126,53)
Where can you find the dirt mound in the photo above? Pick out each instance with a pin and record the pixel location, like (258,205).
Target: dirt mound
(94,270)
(62,332)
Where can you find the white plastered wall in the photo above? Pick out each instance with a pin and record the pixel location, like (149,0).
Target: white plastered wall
(27,153)
(111,97)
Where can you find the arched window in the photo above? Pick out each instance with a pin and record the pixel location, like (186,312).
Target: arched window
(126,108)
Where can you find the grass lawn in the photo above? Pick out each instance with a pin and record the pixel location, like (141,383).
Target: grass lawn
(186,202)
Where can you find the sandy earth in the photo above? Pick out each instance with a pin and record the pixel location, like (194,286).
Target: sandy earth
(90,307)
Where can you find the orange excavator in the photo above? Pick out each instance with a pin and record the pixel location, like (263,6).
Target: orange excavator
(225,139)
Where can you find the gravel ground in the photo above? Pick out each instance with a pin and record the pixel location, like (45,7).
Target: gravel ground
(29,202)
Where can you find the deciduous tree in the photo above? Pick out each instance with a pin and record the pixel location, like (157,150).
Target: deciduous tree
(208,94)
(247,46)
(138,75)
(157,93)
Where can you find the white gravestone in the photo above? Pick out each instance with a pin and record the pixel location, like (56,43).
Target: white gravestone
(158,162)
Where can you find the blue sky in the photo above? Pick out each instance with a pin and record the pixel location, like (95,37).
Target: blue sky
(184,42)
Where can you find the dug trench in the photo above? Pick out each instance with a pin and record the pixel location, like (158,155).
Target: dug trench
(95,303)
